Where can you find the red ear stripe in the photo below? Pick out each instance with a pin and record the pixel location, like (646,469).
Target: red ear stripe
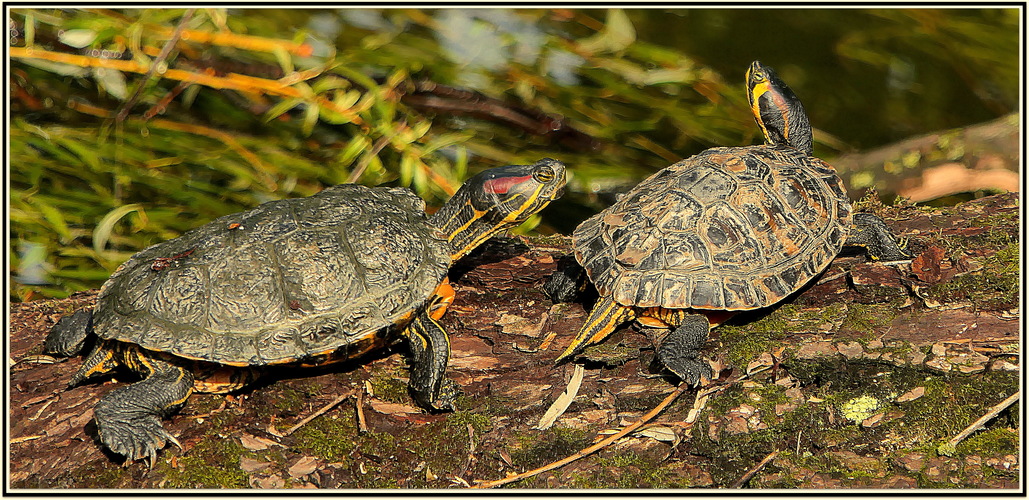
(503,184)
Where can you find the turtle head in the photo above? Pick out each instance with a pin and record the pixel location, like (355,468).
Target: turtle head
(498,199)
(777,109)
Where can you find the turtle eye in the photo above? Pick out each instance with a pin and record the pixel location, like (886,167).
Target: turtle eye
(543,173)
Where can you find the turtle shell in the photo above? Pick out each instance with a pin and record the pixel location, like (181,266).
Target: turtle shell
(284,281)
(728,229)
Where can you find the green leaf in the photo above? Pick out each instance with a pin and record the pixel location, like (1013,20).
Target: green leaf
(112,80)
(55,218)
(77,38)
(618,34)
(281,107)
(353,148)
(310,118)
(30,30)
(103,230)
(285,61)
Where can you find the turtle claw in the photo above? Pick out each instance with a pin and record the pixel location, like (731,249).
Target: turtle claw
(136,437)
(128,419)
(693,371)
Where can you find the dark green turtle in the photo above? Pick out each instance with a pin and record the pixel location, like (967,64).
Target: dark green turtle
(726,230)
(300,282)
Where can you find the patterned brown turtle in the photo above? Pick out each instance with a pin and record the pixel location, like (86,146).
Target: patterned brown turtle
(294,283)
(726,230)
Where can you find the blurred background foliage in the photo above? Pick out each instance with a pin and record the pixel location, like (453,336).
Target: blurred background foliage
(251,105)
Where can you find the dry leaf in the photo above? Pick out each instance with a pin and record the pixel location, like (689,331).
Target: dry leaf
(660,433)
(763,361)
(563,401)
(251,465)
(873,421)
(517,325)
(255,443)
(391,408)
(303,467)
(911,395)
(268,483)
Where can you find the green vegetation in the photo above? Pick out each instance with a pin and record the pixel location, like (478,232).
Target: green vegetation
(254,105)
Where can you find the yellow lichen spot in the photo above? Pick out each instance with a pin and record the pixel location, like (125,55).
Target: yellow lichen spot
(860,408)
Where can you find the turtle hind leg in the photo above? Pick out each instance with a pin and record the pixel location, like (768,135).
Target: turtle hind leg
(68,337)
(128,418)
(430,354)
(605,317)
(679,352)
(872,234)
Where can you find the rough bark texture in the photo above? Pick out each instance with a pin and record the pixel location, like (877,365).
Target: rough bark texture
(854,382)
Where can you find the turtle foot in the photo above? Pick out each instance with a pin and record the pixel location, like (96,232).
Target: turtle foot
(680,351)
(448,393)
(129,418)
(132,432)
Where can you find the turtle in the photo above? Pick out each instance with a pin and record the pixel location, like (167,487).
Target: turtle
(729,229)
(293,283)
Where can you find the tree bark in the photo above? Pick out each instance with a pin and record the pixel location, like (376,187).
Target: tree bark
(951,315)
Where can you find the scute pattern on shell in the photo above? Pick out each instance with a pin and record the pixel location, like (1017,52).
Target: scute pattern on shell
(286,280)
(727,229)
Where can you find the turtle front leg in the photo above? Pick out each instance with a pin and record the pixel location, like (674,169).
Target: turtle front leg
(568,282)
(872,234)
(679,352)
(430,354)
(129,418)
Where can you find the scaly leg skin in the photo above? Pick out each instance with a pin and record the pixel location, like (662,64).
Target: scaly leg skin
(680,350)
(568,281)
(606,316)
(129,418)
(430,354)
(872,234)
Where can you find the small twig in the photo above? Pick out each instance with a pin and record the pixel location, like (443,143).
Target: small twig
(40,412)
(978,424)
(356,174)
(165,51)
(25,438)
(587,451)
(750,473)
(362,424)
(232,81)
(315,414)
(199,130)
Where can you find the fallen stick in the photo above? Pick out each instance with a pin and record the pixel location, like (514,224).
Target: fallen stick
(949,447)
(601,444)
(315,414)
(362,424)
(750,473)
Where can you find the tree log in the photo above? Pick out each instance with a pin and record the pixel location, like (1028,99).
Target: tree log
(980,158)
(942,329)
